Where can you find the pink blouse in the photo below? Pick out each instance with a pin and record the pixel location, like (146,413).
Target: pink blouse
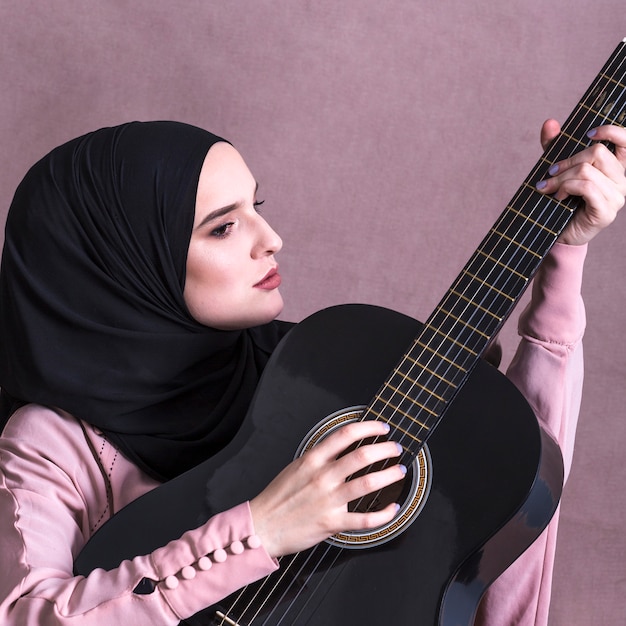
(53,497)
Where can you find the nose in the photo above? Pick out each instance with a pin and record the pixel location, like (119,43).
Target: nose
(268,240)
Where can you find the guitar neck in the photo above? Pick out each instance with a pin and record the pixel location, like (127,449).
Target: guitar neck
(416,394)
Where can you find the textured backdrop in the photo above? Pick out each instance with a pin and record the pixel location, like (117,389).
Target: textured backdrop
(387,137)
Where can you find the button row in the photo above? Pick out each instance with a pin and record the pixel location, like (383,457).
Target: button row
(205,563)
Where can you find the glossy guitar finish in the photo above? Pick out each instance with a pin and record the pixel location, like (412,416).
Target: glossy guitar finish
(493,471)
(496,475)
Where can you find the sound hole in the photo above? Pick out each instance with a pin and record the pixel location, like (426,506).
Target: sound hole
(411,493)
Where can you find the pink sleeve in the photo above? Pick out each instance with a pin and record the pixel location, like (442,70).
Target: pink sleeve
(52,497)
(548,370)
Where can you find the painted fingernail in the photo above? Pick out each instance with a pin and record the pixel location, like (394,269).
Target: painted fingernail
(399,447)
(592,133)
(386,427)
(402,468)
(541,184)
(554,169)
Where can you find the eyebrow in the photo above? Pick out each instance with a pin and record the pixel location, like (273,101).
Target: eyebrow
(225,210)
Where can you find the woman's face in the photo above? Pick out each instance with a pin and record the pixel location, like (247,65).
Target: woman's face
(232,276)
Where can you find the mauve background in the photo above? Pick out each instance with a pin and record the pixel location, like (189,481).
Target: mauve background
(387,137)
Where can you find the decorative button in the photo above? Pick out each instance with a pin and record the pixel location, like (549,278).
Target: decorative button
(171,582)
(188,572)
(236,547)
(219,556)
(204,563)
(253,541)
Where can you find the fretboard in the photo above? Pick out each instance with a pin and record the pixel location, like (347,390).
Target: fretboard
(415,396)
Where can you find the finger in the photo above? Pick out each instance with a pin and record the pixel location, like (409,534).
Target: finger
(589,182)
(371,519)
(339,441)
(616,135)
(549,130)
(366,455)
(599,156)
(370,483)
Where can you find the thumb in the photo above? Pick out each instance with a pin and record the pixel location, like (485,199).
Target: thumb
(549,130)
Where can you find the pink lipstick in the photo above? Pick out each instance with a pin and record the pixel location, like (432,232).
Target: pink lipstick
(270,281)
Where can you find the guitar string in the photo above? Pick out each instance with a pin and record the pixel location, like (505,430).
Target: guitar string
(437,384)
(535,170)
(561,154)
(275,584)
(515,239)
(240,595)
(558,156)
(555,210)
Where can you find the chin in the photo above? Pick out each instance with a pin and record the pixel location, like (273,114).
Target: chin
(272,314)
(269,314)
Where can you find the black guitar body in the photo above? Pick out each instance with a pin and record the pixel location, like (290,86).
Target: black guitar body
(496,481)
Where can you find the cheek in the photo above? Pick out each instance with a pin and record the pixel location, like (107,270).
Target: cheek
(210,286)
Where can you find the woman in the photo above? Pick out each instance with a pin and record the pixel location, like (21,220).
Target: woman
(138,294)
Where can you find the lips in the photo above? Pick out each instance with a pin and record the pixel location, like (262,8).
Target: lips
(271,280)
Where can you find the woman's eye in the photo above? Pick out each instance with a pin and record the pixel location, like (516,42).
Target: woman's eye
(256,204)
(222,231)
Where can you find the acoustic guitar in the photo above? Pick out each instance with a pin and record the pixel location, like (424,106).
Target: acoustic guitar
(484,478)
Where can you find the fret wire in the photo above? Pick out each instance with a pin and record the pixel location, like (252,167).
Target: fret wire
(476,300)
(534,190)
(510,282)
(388,404)
(454,341)
(417,384)
(532,221)
(616,58)
(473,300)
(421,367)
(404,377)
(531,205)
(435,353)
(526,249)
(522,275)
(497,262)
(394,425)
(478,306)
(561,203)
(425,369)
(573,139)
(488,285)
(396,409)
(534,211)
(619,119)
(518,234)
(456,318)
(612,80)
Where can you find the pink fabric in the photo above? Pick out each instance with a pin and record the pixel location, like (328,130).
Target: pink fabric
(548,370)
(53,497)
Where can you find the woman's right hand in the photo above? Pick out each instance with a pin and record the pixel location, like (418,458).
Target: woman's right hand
(308,501)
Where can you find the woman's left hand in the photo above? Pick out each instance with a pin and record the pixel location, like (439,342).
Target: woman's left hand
(596,174)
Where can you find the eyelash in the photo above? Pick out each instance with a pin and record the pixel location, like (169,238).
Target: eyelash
(223,231)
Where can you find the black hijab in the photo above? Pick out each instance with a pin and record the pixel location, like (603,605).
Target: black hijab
(92,315)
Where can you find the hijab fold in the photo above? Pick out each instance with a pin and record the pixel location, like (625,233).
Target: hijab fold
(92,315)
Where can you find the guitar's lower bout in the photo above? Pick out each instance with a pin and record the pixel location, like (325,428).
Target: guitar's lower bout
(492,486)
(410,494)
